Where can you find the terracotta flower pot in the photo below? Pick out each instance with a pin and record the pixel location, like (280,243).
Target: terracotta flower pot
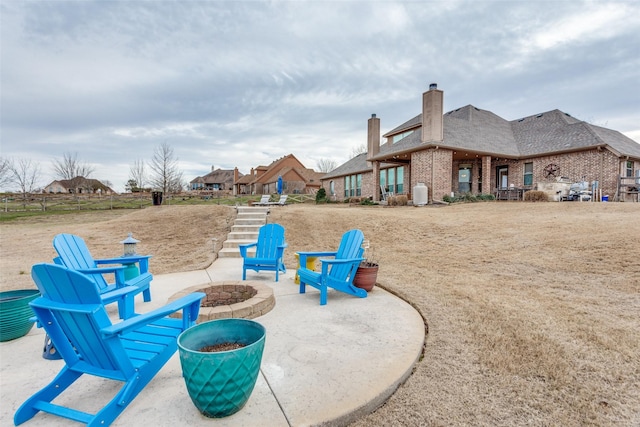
(366,276)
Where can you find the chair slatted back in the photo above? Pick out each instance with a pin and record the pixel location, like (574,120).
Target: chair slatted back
(350,247)
(74,254)
(71,311)
(270,237)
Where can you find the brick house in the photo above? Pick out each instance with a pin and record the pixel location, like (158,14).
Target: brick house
(469,150)
(77,185)
(263,179)
(216,180)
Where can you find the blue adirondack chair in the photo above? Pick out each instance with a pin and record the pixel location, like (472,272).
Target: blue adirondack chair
(132,351)
(74,254)
(269,254)
(337,272)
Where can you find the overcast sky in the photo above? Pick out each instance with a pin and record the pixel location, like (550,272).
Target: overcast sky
(242,83)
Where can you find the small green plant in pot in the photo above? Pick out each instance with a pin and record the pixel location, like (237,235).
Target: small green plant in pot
(220,362)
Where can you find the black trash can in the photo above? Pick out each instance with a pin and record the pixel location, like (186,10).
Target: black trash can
(157,198)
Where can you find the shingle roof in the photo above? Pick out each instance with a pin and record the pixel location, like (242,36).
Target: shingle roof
(356,165)
(217,176)
(470,128)
(473,129)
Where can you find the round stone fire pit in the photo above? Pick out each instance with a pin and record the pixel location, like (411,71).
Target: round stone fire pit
(239,299)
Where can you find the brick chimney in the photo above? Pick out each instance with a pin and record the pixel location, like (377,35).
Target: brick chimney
(373,136)
(432,111)
(236,174)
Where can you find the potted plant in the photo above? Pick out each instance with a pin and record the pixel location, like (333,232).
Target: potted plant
(367,272)
(16,313)
(220,362)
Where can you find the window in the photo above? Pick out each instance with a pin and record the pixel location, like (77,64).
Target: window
(400,136)
(353,185)
(383,178)
(528,174)
(400,180)
(332,188)
(392,180)
(629,168)
(480,179)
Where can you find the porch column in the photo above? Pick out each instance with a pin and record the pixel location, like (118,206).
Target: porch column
(486,175)
(376,181)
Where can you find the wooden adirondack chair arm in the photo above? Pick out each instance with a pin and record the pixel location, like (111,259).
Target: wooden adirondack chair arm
(73,308)
(133,323)
(117,270)
(101,270)
(317,254)
(327,262)
(118,293)
(142,260)
(123,259)
(245,246)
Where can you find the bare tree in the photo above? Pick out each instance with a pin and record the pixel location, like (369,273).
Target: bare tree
(165,174)
(25,174)
(70,167)
(6,175)
(137,176)
(357,150)
(326,165)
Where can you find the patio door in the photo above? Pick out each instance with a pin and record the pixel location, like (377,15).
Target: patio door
(502,175)
(464,179)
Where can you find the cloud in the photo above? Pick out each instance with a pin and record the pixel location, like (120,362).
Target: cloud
(243,83)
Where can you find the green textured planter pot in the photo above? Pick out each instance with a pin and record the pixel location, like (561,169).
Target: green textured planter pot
(15,313)
(220,383)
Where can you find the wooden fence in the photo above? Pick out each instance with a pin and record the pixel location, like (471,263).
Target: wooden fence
(12,202)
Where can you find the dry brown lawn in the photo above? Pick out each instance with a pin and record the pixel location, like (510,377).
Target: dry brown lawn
(533,309)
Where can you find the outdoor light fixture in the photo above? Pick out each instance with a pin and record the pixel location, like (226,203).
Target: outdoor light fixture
(130,245)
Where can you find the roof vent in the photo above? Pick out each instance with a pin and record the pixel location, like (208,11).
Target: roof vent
(433,86)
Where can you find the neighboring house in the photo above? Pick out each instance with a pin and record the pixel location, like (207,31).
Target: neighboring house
(77,185)
(216,180)
(295,177)
(469,150)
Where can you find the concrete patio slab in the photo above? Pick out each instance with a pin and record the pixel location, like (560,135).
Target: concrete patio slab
(324,365)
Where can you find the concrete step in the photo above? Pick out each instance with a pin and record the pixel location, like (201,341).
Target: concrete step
(229,253)
(255,229)
(234,243)
(251,221)
(263,209)
(250,215)
(245,230)
(242,235)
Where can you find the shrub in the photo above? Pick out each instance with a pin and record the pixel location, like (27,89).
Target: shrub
(402,200)
(367,202)
(486,197)
(536,196)
(321,195)
(468,197)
